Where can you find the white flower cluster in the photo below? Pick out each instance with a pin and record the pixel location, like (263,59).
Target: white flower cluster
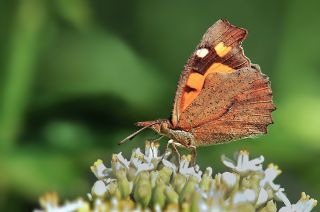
(267,188)
(158,182)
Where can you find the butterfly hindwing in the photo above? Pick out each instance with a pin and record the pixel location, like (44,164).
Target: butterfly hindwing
(230,106)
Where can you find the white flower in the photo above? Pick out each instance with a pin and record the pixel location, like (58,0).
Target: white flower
(144,162)
(136,158)
(47,206)
(305,204)
(282,197)
(243,165)
(203,194)
(229,179)
(152,154)
(248,195)
(100,170)
(188,171)
(135,162)
(262,197)
(145,167)
(71,206)
(136,153)
(157,208)
(215,193)
(208,171)
(99,188)
(114,204)
(120,161)
(170,165)
(269,175)
(203,206)
(99,205)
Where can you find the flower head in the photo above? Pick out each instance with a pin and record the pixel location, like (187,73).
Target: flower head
(49,202)
(159,182)
(243,165)
(305,204)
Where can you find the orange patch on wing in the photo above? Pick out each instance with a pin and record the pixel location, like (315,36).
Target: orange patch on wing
(195,83)
(188,97)
(218,67)
(221,49)
(195,80)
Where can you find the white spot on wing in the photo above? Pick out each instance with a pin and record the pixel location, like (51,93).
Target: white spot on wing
(202,52)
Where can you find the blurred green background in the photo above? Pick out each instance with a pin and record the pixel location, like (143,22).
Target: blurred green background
(76,75)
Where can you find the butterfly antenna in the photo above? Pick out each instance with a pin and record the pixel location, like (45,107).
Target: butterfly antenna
(135,133)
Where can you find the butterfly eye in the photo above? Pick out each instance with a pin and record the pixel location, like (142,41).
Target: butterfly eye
(202,52)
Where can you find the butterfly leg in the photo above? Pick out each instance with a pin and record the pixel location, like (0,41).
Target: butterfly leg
(174,147)
(194,155)
(194,148)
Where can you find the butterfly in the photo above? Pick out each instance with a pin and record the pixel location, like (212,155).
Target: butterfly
(220,97)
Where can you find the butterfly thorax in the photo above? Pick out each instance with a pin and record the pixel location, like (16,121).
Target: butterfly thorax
(165,128)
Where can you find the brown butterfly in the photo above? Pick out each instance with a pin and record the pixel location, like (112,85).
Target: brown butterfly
(220,97)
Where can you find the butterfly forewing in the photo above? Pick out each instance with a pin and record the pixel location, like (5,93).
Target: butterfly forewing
(219,51)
